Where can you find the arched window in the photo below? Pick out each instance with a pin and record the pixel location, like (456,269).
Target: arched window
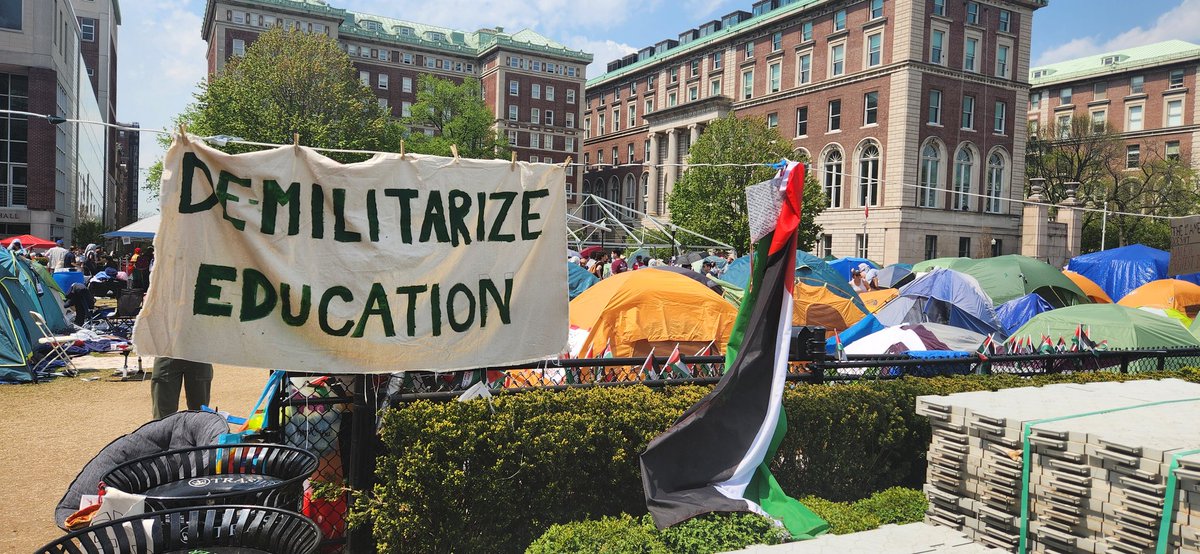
(630,194)
(833,177)
(868,175)
(614,190)
(964,168)
(931,174)
(995,183)
(642,202)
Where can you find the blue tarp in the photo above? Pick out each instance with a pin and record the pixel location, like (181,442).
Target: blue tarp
(738,272)
(578,280)
(1016,312)
(844,265)
(1193,278)
(864,327)
(1123,269)
(810,270)
(942,296)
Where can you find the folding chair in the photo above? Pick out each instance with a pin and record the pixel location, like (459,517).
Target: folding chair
(58,344)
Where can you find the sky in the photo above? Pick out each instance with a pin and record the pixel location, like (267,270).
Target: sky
(161,53)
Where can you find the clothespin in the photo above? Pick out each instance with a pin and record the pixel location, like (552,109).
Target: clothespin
(183,132)
(514,161)
(401,149)
(295,139)
(454,150)
(568,162)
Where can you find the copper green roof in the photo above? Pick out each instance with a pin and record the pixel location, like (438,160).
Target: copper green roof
(1118,61)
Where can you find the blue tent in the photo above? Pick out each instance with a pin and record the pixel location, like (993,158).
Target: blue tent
(737,273)
(1016,312)
(578,280)
(1123,269)
(864,327)
(810,270)
(844,265)
(943,296)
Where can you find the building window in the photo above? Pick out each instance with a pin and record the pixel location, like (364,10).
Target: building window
(826,246)
(512,112)
(969,53)
(964,247)
(1173,150)
(693,93)
(749,49)
(774,77)
(632,115)
(650,82)
(968,112)
(995,184)
(777,41)
(714,87)
(1063,126)
(772,120)
(587,127)
(1005,21)
(874,49)
(1035,100)
(1002,61)
(569,144)
(406,84)
(11,11)
(870,108)
(616,120)
(837,59)
(695,69)
(802,121)
(535,140)
(806,31)
(937,42)
(550,93)
(973,13)
(672,99)
(868,175)
(512,138)
(833,178)
(1176,79)
(1174,112)
(1000,116)
(931,162)
(931,250)
(1133,118)
(406,109)
(1064,96)
(804,69)
(935,107)
(674,75)
(861,248)
(835,115)
(1099,90)
(839,20)
(14,149)
(87,28)
(1099,120)
(964,167)
(616,159)
(1137,84)
(364,77)
(939,7)
(535,91)
(876,9)
(716,60)
(535,116)
(239,49)
(649,107)
(549,118)
(629,151)
(1133,154)
(514,88)
(570,96)
(747,84)
(383,81)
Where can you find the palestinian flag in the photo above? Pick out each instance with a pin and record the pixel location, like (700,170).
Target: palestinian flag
(647,369)
(841,352)
(983,352)
(675,365)
(706,370)
(714,458)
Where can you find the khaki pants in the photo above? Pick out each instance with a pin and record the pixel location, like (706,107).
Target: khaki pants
(169,375)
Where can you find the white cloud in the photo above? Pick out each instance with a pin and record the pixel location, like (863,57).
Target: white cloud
(603,51)
(1181,22)
(549,17)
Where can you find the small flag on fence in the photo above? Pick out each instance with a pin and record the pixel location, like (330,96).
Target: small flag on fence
(675,365)
(647,369)
(706,370)
(841,352)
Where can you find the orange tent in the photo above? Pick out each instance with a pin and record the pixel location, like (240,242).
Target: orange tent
(1165,294)
(636,311)
(1089,287)
(818,306)
(877,298)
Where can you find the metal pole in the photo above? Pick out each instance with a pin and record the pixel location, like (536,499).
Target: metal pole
(1104,225)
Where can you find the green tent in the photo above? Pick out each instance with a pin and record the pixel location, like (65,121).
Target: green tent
(1004,278)
(42,295)
(1121,326)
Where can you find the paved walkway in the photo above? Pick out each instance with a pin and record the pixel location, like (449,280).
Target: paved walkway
(913,538)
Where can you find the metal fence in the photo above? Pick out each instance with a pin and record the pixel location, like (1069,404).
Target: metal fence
(336,416)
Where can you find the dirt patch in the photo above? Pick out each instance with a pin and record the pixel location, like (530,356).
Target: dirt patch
(52,429)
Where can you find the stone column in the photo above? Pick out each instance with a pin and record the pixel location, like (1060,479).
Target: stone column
(1035,222)
(1071,216)
(652,176)
(672,160)
(693,136)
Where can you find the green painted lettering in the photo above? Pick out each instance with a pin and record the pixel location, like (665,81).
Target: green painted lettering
(254,284)
(206,291)
(506,198)
(455,292)
(435,218)
(275,196)
(411,292)
(488,288)
(323,311)
(527,216)
(377,305)
(285,301)
(226,197)
(190,164)
(404,197)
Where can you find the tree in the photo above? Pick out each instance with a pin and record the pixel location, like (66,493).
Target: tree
(458,116)
(1072,152)
(712,200)
(88,231)
(290,83)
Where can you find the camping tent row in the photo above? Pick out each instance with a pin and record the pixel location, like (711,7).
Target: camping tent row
(25,287)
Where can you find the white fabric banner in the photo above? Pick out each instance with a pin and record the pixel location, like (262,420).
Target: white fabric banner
(287,259)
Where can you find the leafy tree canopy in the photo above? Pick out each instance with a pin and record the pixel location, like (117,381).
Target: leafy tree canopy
(458,116)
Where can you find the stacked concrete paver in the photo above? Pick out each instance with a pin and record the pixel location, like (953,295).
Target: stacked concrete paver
(1097,483)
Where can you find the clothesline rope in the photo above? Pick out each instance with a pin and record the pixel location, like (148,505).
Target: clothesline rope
(221,140)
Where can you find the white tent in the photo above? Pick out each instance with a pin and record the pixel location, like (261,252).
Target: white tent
(140,229)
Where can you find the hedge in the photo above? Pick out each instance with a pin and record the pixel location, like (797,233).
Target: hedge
(484,476)
(714,533)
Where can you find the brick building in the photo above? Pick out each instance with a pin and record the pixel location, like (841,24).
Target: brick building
(903,107)
(1144,94)
(533,85)
(128,175)
(98,24)
(50,175)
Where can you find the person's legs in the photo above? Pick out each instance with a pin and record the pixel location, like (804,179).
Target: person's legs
(197,384)
(165,384)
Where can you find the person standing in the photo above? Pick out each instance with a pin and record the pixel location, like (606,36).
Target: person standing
(618,264)
(56,256)
(172,374)
(71,261)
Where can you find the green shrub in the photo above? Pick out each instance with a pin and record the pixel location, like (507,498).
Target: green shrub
(609,535)
(721,533)
(842,517)
(895,505)
(460,477)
